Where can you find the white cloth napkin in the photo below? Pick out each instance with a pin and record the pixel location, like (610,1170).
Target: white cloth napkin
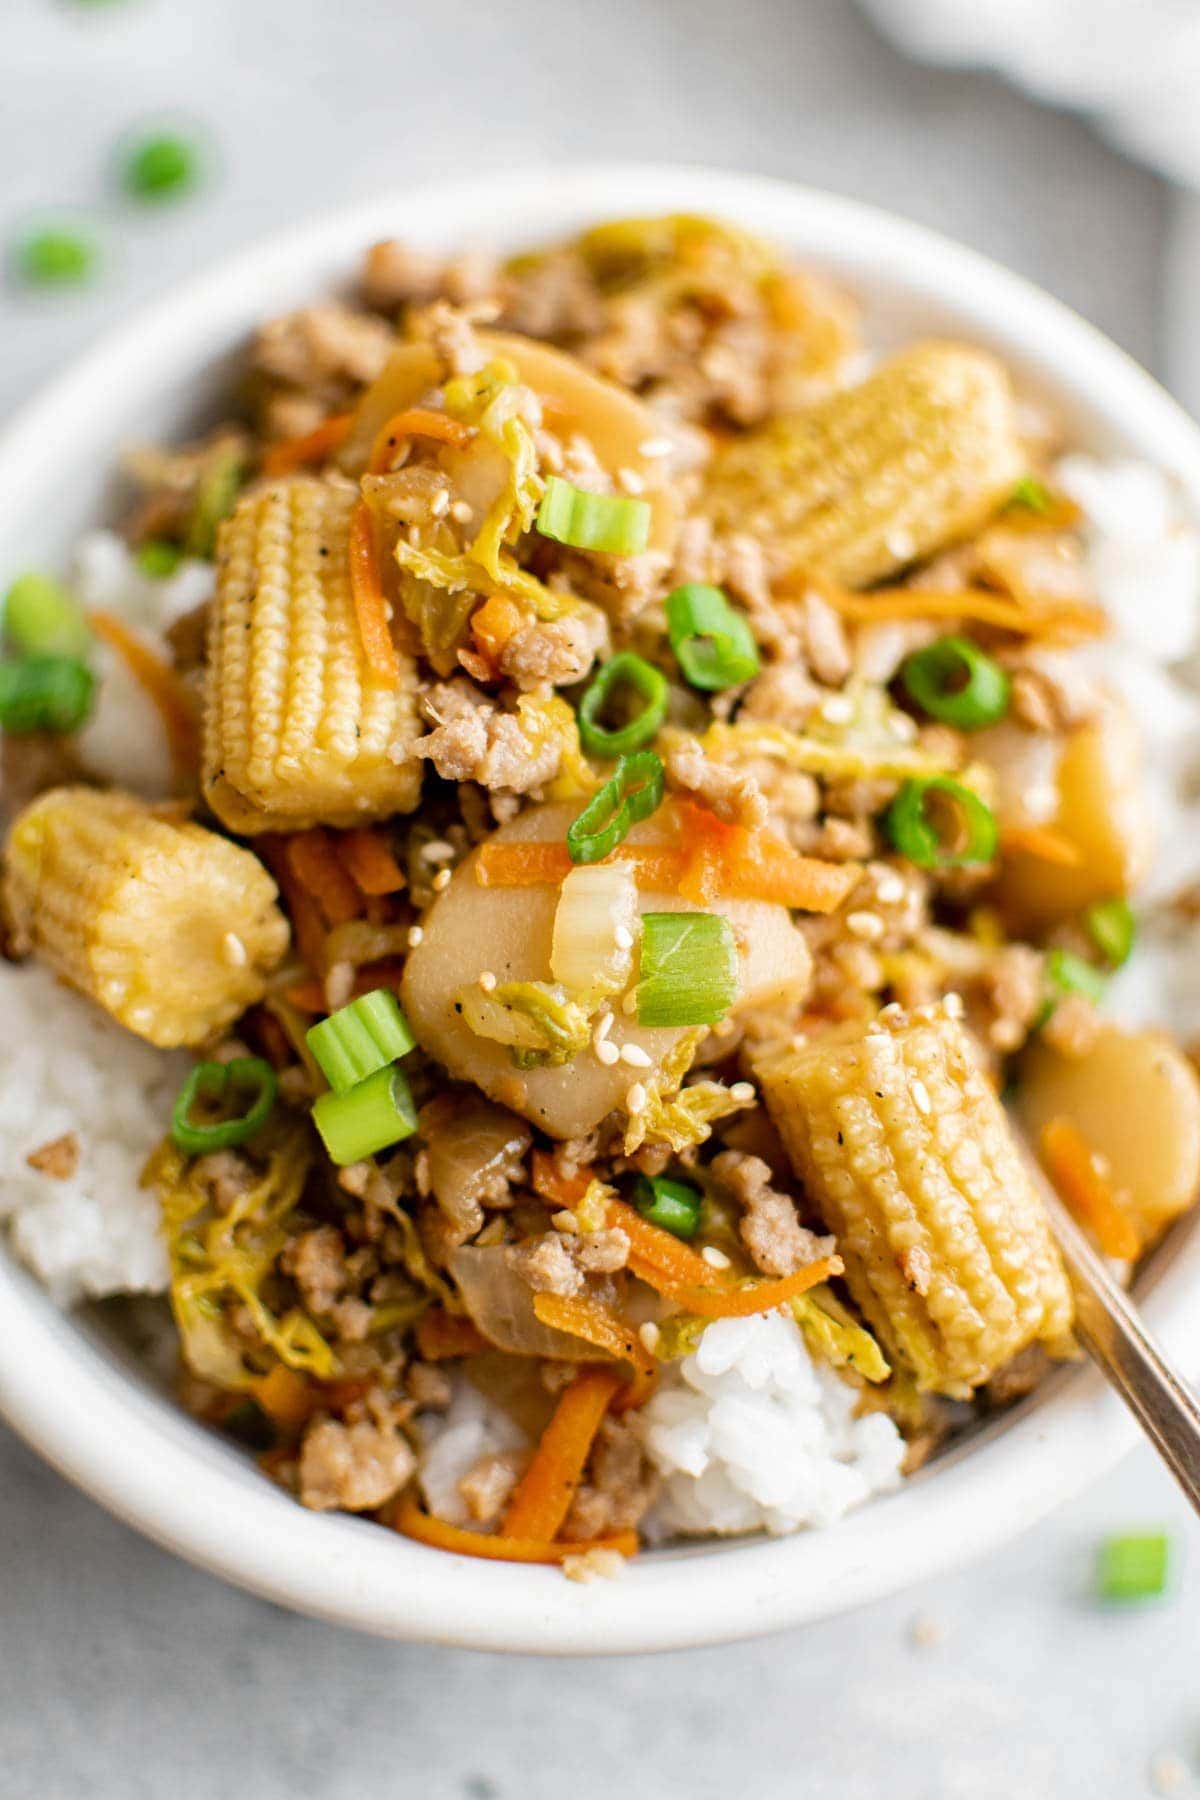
(1133,66)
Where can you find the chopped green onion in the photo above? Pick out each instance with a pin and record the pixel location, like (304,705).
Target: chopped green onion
(367,1118)
(673,1205)
(158,557)
(359,1038)
(612,523)
(632,792)
(622,677)
(1070,974)
(41,617)
(964,834)
(44,693)
(714,644)
(1112,928)
(247,1078)
(161,167)
(56,257)
(216,496)
(689,970)
(1133,1566)
(956,682)
(1032,493)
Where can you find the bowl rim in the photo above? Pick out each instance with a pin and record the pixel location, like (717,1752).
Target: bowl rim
(170,1479)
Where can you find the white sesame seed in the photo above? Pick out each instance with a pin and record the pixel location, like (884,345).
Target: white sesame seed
(952,1006)
(920,1097)
(637,1099)
(623,937)
(635,1056)
(487,981)
(743,1092)
(437,851)
(649,1335)
(441,881)
(607,1053)
(440,504)
(234,951)
(655,446)
(716,1259)
(565,1221)
(866,925)
(604,1027)
(339,985)
(892,1011)
(838,709)
(415,936)
(799,1040)
(630,481)
(414,535)
(889,887)
(904,727)
(901,544)
(460,512)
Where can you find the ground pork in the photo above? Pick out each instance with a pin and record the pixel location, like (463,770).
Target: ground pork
(316,1261)
(623,586)
(620,1486)
(488,1484)
(1051,694)
(1074,1026)
(472,740)
(784,694)
(548,1265)
(224,1176)
(826,643)
(451,331)
(600,1252)
(1012,990)
(326,351)
(430,1387)
(396,274)
(556,652)
(726,789)
(769,1226)
(554,297)
(58,1159)
(352,1467)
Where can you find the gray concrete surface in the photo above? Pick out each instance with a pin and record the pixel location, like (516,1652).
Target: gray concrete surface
(125,1675)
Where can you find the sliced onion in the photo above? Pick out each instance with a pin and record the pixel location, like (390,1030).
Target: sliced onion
(471,1147)
(500,1303)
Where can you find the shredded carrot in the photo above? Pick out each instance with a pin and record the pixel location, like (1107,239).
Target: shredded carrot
(657,1249)
(553,1185)
(368,856)
(284,1395)
(174,703)
(370,606)
(542,1498)
(1044,842)
(309,996)
(441,1334)
(598,1325)
(411,1522)
(494,623)
(1065,618)
(415,421)
(711,1302)
(1085,1187)
(313,447)
(308,924)
(315,864)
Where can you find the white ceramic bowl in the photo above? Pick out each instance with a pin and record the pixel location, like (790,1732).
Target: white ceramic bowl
(82,1399)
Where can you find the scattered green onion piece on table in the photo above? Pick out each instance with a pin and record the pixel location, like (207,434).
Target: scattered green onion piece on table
(359,1038)
(625,674)
(689,969)
(1071,974)
(1133,1566)
(956,682)
(673,1205)
(1112,928)
(1032,493)
(56,257)
(366,1118)
(245,1078)
(919,838)
(714,643)
(44,693)
(158,557)
(41,617)
(612,523)
(216,496)
(632,792)
(162,167)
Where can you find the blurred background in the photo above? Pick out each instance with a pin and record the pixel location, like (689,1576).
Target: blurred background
(127,1674)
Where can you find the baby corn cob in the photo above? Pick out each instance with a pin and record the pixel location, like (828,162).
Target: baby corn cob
(169,927)
(876,477)
(908,1156)
(298,731)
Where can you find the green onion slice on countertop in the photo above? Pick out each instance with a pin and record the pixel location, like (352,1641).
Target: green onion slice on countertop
(627,684)
(689,969)
(246,1080)
(1133,1566)
(632,792)
(360,1038)
(956,682)
(56,257)
(713,643)
(939,824)
(162,166)
(612,523)
(367,1118)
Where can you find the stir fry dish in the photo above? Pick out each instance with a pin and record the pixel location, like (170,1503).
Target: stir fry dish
(577,862)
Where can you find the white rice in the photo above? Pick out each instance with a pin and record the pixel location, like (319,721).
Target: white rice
(453,1442)
(66,1067)
(750,1434)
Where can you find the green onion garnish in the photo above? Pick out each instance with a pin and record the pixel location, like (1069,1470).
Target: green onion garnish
(623,678)
(359,1038)
(158,557)
(956,682)
(246,1078)
(56,257)
(632,792)
(673,1205)
(714,644)
(367,1118)
(1032,493)
(612,523)
(161,167)
(1133,1566)
(1070,974)
(689,969)
(1112,928)
(216,496)
(41,617)
(44,693)
(939,824)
